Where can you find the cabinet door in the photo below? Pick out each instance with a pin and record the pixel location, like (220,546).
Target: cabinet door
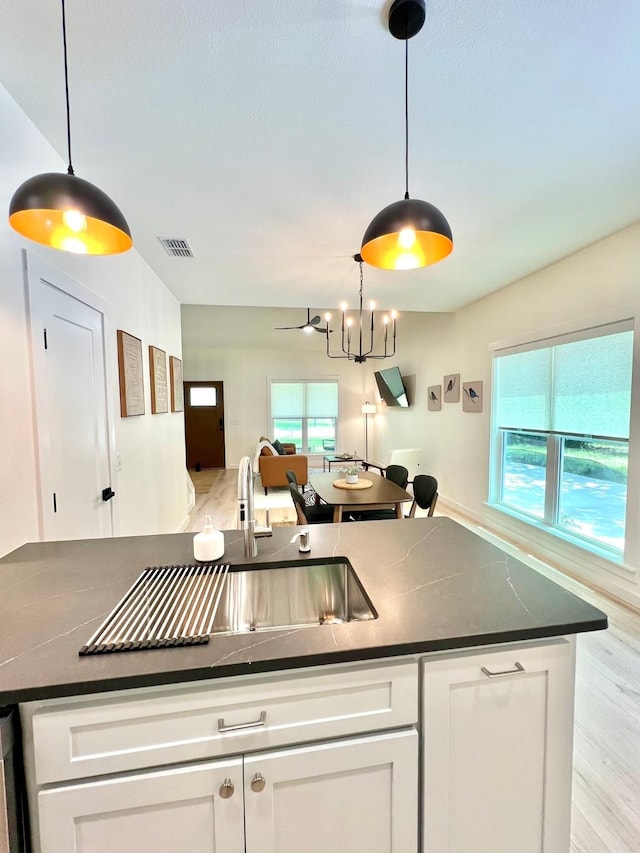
(498,735)
(352,796)
(179,809)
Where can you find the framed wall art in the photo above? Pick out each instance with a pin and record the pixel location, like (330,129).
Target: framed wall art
(175,381)
(130,375)
(451,388)
(434,398)
(158,373)
(472,396)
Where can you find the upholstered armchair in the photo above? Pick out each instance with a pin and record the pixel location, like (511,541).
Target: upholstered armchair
(273,467)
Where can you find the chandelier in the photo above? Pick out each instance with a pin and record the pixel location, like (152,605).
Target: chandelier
(356,330)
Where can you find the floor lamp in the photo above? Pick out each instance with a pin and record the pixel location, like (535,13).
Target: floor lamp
(367,409)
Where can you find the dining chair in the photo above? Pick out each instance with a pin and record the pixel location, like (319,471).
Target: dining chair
(398,474)
(425,494)
(307,491)
(306,514)
(292,479)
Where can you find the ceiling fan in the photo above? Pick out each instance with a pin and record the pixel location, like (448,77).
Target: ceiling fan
(310,326)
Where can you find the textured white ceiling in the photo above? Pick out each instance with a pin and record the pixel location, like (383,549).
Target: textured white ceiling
(269,132)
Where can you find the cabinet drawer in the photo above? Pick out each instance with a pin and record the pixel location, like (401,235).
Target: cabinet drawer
(113,732)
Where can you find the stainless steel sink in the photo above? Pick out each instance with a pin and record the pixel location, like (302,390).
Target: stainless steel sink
(264,596)
(186,604)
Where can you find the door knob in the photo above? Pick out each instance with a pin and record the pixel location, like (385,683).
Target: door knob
(226,789)
(258,783)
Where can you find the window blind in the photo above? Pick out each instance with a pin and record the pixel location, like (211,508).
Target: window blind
(577,387)
(287,399)
(304,399)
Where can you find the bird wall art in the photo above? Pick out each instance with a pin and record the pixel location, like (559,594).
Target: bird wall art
(472,396)
(451,386)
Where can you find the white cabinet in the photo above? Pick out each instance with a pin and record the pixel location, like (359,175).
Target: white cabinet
(354,796)
(319,759)
(145,769)
(497,749)
(177,809)
(361,795)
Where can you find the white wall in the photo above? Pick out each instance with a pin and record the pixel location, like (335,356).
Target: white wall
(150,489)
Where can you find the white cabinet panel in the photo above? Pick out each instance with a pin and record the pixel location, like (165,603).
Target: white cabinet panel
(354,796)
(130,730)
(179,809)
(498,729)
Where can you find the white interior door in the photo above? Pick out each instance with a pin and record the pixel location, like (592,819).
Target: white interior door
(71,412)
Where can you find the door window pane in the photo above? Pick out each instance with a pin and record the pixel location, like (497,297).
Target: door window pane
(593,489)
(203,395)
(524,472)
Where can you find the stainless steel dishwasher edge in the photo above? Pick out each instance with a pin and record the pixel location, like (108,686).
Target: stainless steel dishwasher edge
(11,826)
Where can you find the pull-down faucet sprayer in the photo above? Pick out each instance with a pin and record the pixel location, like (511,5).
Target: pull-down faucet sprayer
(245,507)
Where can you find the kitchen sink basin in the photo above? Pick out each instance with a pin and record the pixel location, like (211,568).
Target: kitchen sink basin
(290,594)
(185,605)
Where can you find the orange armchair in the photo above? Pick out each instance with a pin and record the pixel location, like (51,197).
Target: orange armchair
(273,467)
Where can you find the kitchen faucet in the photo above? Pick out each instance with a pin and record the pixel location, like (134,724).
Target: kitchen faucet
(245,507)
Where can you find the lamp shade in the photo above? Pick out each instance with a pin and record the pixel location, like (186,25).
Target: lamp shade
(69,213)
(406,235)
(369,408)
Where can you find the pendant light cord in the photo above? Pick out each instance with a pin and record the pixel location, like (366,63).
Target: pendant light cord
(66,88)
(406,114)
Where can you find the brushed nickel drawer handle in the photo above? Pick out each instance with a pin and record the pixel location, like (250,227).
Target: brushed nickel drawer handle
(222,727)
(517,668)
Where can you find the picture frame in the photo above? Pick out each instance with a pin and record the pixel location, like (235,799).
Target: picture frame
(130,374)
(472,396)
(434,398)
(158,374)
(176,384)
(451,388)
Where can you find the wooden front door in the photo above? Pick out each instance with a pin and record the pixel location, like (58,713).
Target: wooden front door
(204,424)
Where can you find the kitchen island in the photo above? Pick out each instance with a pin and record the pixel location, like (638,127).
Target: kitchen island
(468,666)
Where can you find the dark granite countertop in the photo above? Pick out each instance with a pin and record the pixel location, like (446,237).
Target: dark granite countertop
(434,584)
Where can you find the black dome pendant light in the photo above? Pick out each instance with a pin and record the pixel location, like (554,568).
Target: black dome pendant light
(407,234)
(66,212)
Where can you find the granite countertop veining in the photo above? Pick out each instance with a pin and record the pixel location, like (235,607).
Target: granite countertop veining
(435,586)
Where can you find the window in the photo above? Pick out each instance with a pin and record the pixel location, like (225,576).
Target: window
(305,413)
(561,434)
(203,396)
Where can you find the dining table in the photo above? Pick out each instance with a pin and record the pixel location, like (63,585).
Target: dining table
(381,494)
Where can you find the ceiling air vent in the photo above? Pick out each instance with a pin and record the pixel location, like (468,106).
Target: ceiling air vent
(176,247)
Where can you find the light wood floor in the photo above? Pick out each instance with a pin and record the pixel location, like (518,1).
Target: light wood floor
(606,778)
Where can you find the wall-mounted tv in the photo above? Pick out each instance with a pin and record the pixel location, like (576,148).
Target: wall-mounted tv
(391,387)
